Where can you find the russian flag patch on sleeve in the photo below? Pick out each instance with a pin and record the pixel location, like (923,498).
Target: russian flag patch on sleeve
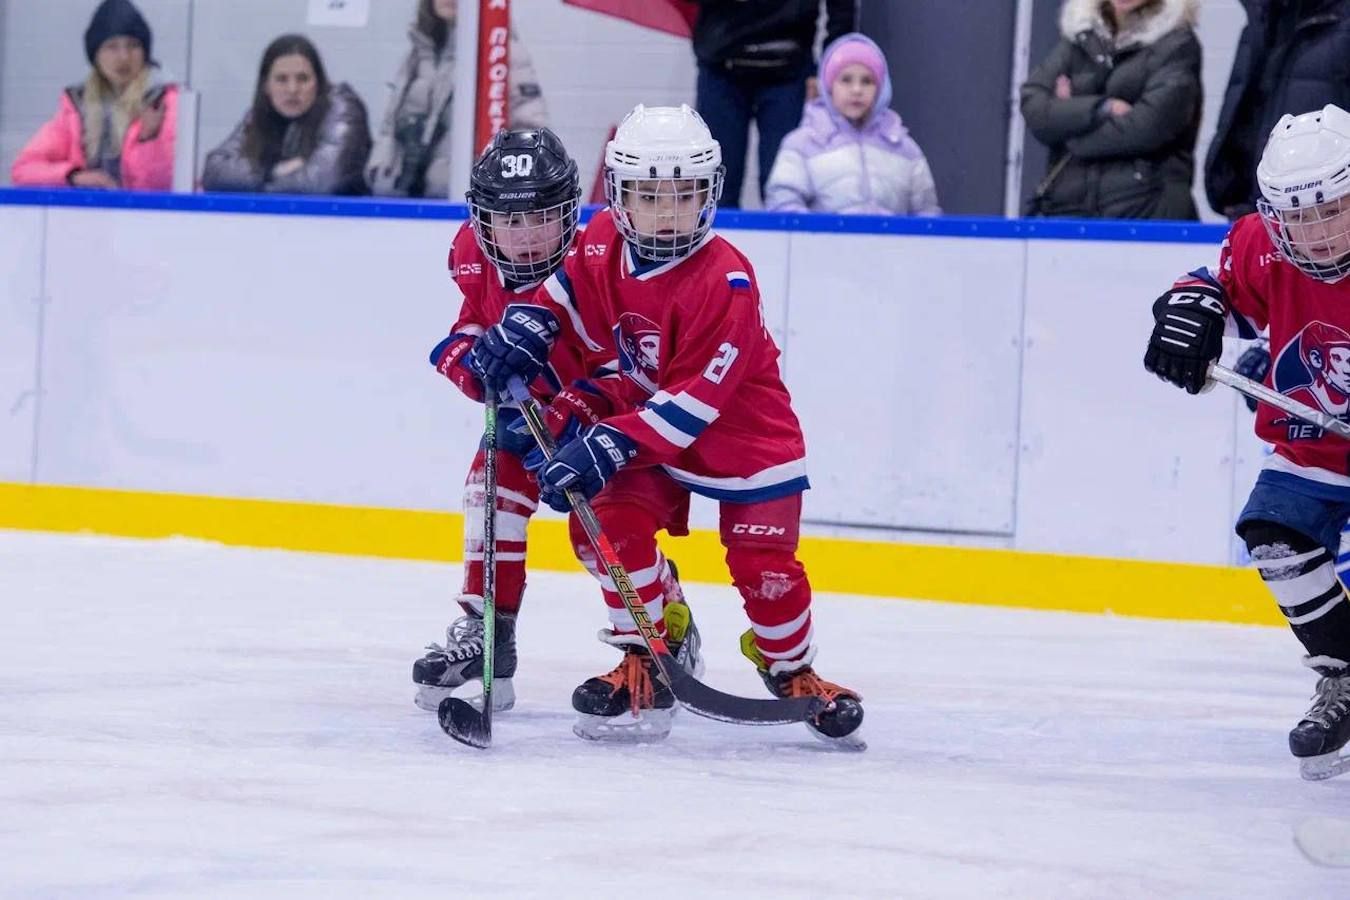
(738,280)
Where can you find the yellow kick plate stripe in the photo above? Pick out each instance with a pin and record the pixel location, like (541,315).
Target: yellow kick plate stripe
(953,574)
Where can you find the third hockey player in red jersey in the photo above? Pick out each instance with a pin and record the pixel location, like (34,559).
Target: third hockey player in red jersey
(696,404)
(1285,267)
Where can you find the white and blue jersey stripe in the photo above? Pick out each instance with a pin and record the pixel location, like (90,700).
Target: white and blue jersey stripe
(679,418)
(767,484)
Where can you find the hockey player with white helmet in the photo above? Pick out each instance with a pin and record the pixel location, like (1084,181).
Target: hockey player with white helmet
(1304,176)
(1284,267)
(697,404)
(663,218)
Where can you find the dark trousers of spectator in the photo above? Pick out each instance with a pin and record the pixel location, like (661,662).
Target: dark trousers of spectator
(728,100)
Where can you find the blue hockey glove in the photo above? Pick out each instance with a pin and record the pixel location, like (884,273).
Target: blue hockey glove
(572,411)
(1254,363)
(517,345)
(585,464)
(513,436)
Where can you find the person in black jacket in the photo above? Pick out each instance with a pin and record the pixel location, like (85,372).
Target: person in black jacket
(755,58)
(1293,57)
(1117,101)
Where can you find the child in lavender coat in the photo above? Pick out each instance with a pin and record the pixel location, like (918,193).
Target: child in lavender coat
(851,154)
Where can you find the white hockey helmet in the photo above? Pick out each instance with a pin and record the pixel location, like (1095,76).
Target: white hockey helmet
(1304,175)
(669,152)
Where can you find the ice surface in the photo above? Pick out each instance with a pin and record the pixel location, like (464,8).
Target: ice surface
(179,719)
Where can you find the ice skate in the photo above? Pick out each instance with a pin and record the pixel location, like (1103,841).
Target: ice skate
(631,703)
(460,660)
(1317,740)
(838,724)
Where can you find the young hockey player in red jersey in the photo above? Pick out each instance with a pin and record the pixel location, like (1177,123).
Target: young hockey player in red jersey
(523,215)
(1285,267)
(697,404)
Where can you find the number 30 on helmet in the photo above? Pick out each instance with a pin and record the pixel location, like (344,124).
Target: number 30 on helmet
(523,202)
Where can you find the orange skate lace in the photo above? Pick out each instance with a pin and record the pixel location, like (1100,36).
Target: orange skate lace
(632,673)
(807,683)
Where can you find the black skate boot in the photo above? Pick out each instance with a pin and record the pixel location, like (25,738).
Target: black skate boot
(460,660)
(838,723)
(1317,740)
(631,703)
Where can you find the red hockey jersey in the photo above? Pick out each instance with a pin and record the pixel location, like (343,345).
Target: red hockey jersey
(1309,323)
(695,372)
(486,296)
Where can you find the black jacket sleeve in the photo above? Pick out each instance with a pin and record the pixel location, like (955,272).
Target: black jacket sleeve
(1051,120)
(1160,115)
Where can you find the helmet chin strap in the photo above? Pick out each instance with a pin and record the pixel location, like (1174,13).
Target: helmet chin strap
(655,249)
(1328,273)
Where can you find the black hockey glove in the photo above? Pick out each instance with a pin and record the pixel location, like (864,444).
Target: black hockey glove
(1187,336)
(1254,363)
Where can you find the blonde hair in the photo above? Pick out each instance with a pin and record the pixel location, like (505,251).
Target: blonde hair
(125,108)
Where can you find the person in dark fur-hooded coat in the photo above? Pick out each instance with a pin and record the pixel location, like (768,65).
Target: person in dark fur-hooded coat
(1118,101)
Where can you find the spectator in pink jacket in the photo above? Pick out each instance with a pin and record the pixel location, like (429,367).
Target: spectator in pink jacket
(117,129)
(851,154)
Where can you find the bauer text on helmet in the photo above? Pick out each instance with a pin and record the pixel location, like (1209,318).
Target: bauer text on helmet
(523,202)
(663,178)
(1304,175)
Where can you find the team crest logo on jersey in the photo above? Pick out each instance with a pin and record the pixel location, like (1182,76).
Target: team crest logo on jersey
(639,342)
(1314,368)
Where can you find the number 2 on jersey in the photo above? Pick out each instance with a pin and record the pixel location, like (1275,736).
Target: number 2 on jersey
(717,369)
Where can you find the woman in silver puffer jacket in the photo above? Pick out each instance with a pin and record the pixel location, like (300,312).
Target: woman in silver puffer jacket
(411,157)
(303,135)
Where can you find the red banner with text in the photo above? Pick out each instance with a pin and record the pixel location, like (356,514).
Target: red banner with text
(492,112)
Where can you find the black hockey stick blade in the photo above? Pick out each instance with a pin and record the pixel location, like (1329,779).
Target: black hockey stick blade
(711,703)
(465,722)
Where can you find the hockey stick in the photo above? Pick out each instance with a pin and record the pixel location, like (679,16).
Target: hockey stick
(1258,391)
(693,694)
(462,720)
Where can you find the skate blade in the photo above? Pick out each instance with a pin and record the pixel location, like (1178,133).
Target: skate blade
(430,697)
(651,726)
(849,743)
(1320,768)
(1324,841)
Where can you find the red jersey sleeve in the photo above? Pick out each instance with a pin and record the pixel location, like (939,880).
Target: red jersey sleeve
(470,270)
(1236,281)
(1244,263)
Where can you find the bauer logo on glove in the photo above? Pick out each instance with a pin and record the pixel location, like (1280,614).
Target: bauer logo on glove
(518,345)
(585,465)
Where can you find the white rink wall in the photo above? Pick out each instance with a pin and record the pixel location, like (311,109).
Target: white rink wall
(981,390)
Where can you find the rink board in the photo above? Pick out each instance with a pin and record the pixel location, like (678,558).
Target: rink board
(259,377)
(952,574)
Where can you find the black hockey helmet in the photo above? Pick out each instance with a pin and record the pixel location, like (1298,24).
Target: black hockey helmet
(524,202)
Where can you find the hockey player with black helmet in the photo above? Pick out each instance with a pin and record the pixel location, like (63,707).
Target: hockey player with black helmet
(523,212)
(1285,267)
